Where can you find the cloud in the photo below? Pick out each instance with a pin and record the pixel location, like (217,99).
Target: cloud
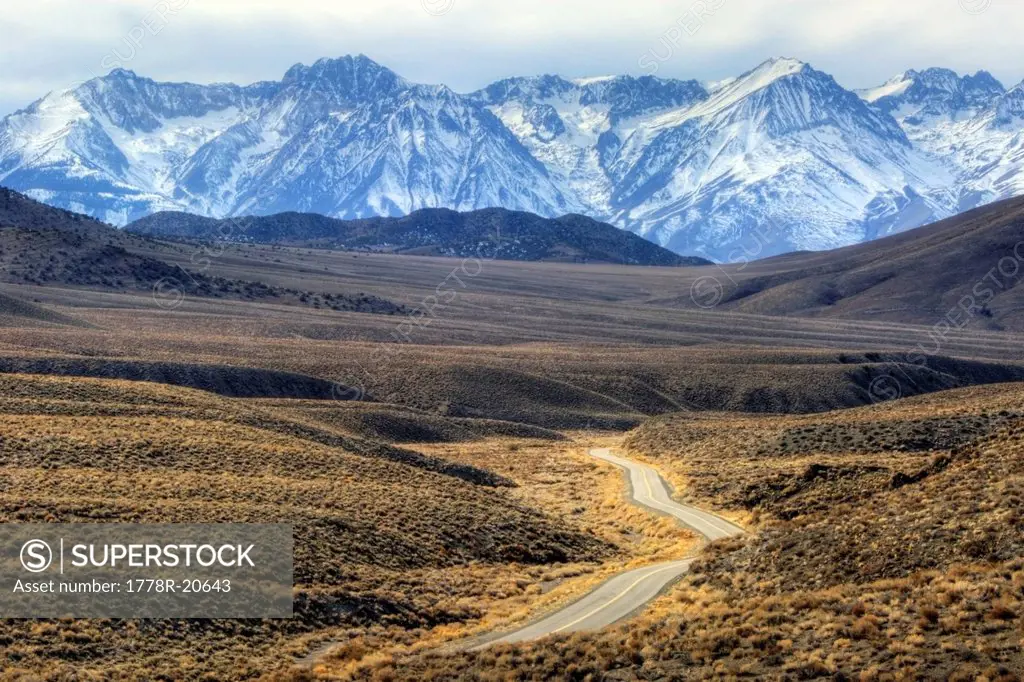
(862,42)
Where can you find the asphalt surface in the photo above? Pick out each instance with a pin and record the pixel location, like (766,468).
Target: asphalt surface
(650,490)
(628,592)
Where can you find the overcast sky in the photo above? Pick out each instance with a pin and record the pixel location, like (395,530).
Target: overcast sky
(51,44)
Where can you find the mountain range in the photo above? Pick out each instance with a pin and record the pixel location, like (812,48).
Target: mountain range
(779,159)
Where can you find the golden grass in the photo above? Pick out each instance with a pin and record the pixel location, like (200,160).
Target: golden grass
(564,480)
(910,570)
(384,548)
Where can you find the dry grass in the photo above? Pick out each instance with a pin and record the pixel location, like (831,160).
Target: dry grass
(562,479)
(960,625)
(554,386)
(383,546)
(903,561)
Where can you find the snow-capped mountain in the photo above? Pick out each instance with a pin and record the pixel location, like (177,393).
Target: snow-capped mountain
(915,97)
(971,124)
(344,137)
(780,158)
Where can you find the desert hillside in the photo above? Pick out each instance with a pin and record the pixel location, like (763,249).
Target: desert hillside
(888,546)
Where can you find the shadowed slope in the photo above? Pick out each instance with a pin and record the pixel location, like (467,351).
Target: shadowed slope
(966,270)
(487,233)
(15,312)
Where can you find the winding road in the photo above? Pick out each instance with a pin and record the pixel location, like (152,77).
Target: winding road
(627,592)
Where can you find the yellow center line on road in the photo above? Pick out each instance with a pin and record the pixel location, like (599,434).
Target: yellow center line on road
(710,519)
(691,516)
(601,608)
(650,492)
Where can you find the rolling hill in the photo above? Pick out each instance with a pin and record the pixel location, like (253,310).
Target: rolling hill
(488,233)
(962,272)
(381,533)
(15,312)
(41,245)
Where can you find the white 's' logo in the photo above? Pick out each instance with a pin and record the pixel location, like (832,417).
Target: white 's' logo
(36,556)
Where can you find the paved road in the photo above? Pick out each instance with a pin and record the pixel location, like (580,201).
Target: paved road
(625,593)
(650,490)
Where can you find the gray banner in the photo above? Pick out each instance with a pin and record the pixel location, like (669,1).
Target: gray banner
(145,571)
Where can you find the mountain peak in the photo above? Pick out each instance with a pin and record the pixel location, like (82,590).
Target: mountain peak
(625,96)
(692,166)
(895,86)
(934,92)
(122,73)
(357,60)
(114,78)
(590,80)
(1010,106)
(779,67)
(757,79)
(346,66)
(982,80)
(767,73)
(345,79)
(938,75)
(527,88)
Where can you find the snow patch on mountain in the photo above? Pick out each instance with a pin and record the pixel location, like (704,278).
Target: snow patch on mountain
(894,87)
